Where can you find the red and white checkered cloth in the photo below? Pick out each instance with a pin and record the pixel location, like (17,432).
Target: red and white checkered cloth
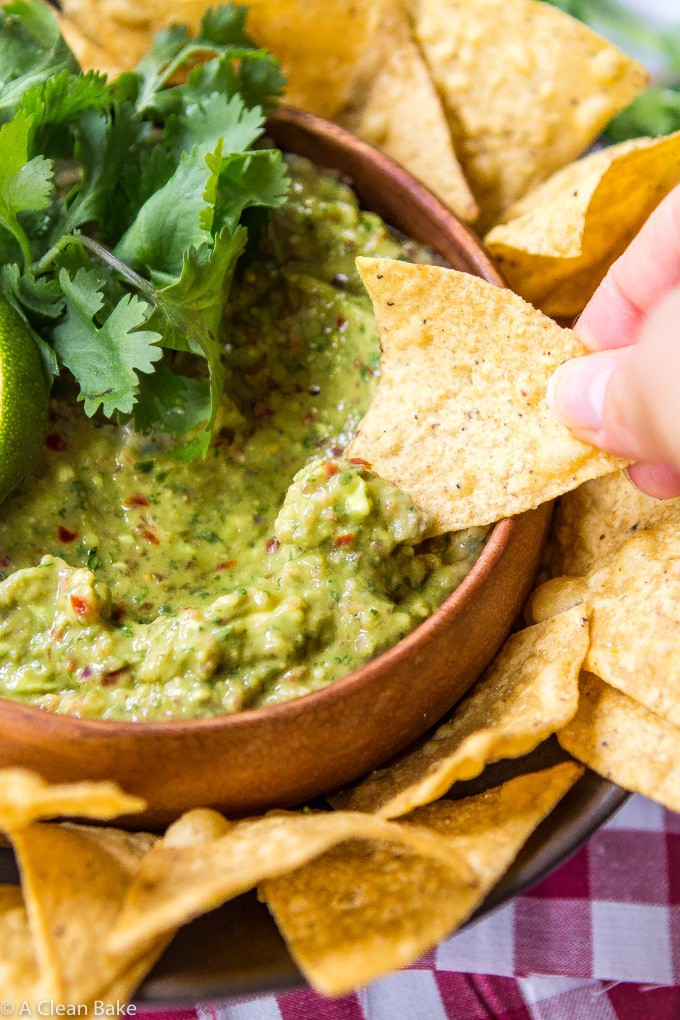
(598,940)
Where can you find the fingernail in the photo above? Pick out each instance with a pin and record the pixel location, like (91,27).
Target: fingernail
(577,390)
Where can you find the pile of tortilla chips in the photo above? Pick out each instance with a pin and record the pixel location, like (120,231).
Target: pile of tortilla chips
(487,101)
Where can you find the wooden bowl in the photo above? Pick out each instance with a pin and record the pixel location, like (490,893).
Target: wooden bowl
(288,753)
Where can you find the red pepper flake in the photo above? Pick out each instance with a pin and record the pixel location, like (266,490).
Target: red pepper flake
(345,539)
(65,535)
(56,442)
(81,607)
(272,545)
(150,537)
(136,499)
(360,461)
(226,565)
(337,451)
(341,322)
(5,561)
(330,468)
(261,411)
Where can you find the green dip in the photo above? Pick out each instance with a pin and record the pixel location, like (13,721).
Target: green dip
(135,587)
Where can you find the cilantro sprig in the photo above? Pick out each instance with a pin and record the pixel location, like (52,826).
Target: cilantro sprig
(656,111)
(122,209)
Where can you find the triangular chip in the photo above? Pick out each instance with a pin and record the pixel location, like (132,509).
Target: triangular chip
(460,418)
(179,882)
(395,106)
(526,89)
(556,244)
(624,742)
(75,879)
(529,691)
(26,798)
(597,518)
(633,602)
(361,911)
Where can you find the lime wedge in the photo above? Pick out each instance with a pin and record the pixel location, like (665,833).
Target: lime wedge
(24,397)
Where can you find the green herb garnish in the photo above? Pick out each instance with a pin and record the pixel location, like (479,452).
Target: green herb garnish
(123,208)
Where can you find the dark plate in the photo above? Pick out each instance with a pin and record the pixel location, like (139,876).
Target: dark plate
(237,950)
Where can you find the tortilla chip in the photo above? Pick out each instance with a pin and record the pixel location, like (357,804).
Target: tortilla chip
(26,798)
(529,691)
(633,601)
(556,244)
(622,741)
(526,89)
(180,882)
(396,107)
(361,911)
(75,879)
(89,53)
(319,50)
(459,419)
(19,980)
(597,518)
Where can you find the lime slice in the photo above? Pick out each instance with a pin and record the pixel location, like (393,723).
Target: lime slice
(23,399)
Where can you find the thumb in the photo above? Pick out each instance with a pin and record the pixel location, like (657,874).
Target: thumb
(627,400)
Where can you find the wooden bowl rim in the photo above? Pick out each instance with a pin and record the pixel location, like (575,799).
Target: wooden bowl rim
(498,540)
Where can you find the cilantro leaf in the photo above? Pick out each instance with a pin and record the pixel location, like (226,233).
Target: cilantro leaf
(106,358)
(222,34)
(224,26)
(121,208)
(167,46)
(205,122)
(56,104)
(31,50)
(176,217)
(106,143)
(25,185)
(171,403)
(257,78)
(39,297)
(198,296)
(261,82)
(250,179)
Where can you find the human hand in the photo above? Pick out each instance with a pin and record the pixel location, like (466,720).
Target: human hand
(625,397)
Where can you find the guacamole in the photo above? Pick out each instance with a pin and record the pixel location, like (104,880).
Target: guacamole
(137,587)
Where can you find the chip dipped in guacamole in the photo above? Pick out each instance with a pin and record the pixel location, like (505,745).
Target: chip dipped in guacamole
(139,587)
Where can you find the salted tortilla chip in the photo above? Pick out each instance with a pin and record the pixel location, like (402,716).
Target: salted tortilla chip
(556,244)
(180,882)
(361,911)
(75,879)
(525,87)
(395,106)
(594,520)
(529,691)
(26,798)
(633,602)
(19,979)
(624,742)
(460,418)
